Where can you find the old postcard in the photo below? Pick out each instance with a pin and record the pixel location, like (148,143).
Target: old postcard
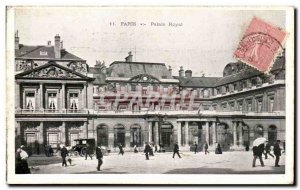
(150,95)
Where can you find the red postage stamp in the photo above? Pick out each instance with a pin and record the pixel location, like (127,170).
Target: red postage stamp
(260,45)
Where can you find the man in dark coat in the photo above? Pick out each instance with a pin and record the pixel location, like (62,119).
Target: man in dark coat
(147,150)
(206,148)
(268,150)
(89,151)
(121,151)
(196,147)
(99,156)
(257,153)
(277,152)
(176,150)
(64,154)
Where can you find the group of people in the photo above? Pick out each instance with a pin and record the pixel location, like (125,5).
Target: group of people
(21,161)
(265,148)
(205,148)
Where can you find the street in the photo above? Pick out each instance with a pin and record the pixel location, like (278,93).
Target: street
(237,162)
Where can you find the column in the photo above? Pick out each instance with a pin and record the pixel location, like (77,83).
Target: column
(207,132)
(18,135)
(214,134)
(150,131)
(85,130)
(179,133)
(240,126)
(17,96)
(234,124)
(156,137)
(84,96)
(41,137)
(127,137)
(63,133)
(186,133)
(41,96)
(63,96)
(110,138)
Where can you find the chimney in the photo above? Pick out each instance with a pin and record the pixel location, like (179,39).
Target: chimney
(129,57)
(188,73)
(57,47)
(49,43)
(17,40)
(170,70)
(181,72)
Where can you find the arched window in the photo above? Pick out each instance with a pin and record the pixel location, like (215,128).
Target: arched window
(272,134)
(102,135)
(119,135)
(135,136)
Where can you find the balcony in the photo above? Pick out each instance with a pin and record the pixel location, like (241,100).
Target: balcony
(51,111)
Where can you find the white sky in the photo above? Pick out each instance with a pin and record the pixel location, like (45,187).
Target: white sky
(205,42)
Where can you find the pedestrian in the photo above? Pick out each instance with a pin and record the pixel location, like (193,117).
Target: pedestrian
(218,149)
(268,150)
(176,150)
(155,148)
(151,150)
(196,147)
(21,166)
(135,150)
(50,151)
(283,144)
(99,156)
(147,150)
(121,151)
(206,148)
(64,154)
(277,152)
(89,151)
(257,153)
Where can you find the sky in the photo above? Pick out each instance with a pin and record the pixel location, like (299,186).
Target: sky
(204,43)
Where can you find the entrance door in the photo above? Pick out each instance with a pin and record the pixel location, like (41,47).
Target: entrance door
(31,139)
(119,137)
(166,136)
(102,136)
(272,134)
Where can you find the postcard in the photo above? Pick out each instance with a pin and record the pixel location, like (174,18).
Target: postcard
(150,95)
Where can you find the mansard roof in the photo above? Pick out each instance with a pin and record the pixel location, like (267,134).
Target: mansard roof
(52,70)
(131,69)
(34,52)
(193,82)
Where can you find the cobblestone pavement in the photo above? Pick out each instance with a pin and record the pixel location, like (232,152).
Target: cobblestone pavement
(162,163)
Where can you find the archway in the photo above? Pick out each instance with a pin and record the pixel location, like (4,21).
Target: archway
(272,134)
(135,135)
(224,136)
(119,135)
(102,135)
(246,135)
(258,131)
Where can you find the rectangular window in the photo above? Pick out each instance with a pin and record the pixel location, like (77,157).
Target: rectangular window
(74,101)
(52,100)
(30,100)
(249,105)
(271,104)
(133,88)
(227,89)
(234,86)
(232,106)
(155,88)
(52,139)
(241,105)
(259,105)
(72,138)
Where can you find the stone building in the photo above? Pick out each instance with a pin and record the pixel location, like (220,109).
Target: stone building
(59,98)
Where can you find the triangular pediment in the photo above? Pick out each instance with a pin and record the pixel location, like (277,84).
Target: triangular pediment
(52,71)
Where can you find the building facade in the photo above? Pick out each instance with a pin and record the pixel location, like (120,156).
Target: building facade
(59,99)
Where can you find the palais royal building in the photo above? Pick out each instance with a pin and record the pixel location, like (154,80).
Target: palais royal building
(59,98)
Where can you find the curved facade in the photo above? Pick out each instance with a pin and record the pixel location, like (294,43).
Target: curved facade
(59,99)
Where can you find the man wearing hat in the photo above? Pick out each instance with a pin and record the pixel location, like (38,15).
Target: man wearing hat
(277,152)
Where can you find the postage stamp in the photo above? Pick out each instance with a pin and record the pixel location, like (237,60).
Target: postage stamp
(260,45)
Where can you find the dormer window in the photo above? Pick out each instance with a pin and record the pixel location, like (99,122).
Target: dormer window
(43,53)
